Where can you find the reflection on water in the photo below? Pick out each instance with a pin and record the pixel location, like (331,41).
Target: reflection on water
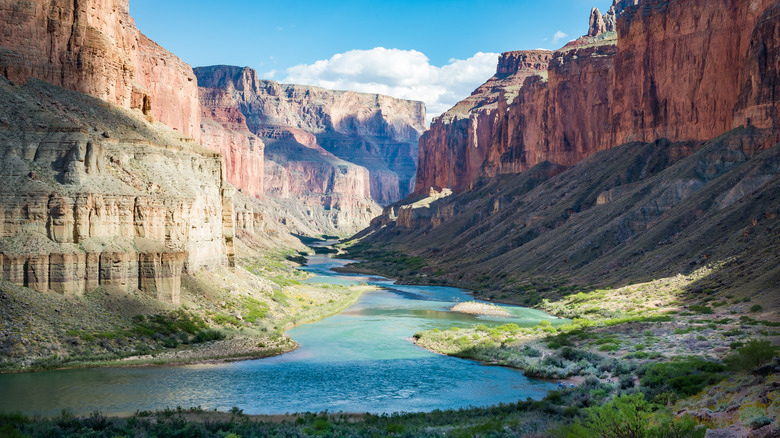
(358,361)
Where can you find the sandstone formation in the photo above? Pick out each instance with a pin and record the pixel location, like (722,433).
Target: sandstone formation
(92,46)
(453,149)
(93,195)
(334,130)
(600,24)
(678,68)
(675,70)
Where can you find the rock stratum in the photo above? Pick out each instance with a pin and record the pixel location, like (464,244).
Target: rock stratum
(93,195)
(628,155)
(104,183)
(337,149)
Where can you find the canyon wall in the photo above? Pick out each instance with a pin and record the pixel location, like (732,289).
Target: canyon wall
(453,150)
(224,130)
(92,195)
(93,192)
(93,47)
(679,68)
(338,128)
(675,70)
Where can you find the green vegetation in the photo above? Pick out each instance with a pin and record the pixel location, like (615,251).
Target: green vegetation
(631,416)
(391,263)
(680,377)
(753,354)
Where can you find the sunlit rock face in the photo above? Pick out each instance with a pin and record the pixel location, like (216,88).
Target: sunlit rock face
(453,150)
(93,46)
(321,143)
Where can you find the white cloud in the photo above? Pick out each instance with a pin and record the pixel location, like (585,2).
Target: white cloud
(269,74)
(405,74)
(558,36)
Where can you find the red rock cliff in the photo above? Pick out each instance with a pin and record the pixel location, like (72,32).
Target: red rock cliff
(454,148)
(92,46)
(678,68)
(681,70)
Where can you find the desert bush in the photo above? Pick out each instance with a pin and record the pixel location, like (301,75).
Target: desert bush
(686,376)
(754,353)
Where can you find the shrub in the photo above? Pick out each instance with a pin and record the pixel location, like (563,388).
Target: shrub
(756,308)
(254,310)
(700,309)
(753,354)
(685,376)
(208,335)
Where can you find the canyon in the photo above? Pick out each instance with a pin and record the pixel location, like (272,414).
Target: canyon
(120,172)
(608,160)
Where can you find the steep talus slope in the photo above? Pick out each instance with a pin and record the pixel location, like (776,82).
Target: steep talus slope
(633,213)
(94,195)
(342,129)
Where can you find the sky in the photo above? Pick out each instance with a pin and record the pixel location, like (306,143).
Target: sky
(435,51)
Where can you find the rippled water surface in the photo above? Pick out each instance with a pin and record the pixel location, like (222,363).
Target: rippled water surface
(358,361)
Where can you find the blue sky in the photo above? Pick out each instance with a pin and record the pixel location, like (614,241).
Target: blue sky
(435,51)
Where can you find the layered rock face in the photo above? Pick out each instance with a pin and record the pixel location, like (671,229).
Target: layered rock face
(93,195)
(92,46)
(334,129)
(676,70)
(453,150)
(690,89)
(559,118)
(679,65)
(224,130)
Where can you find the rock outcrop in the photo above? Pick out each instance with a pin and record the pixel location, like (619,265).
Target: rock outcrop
(93,46)
(339,129)
(93,195)
(600,24)
(453,150)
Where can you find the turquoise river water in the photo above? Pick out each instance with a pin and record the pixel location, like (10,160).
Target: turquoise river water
(360,360)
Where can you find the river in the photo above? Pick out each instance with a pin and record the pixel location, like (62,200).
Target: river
(360,360)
